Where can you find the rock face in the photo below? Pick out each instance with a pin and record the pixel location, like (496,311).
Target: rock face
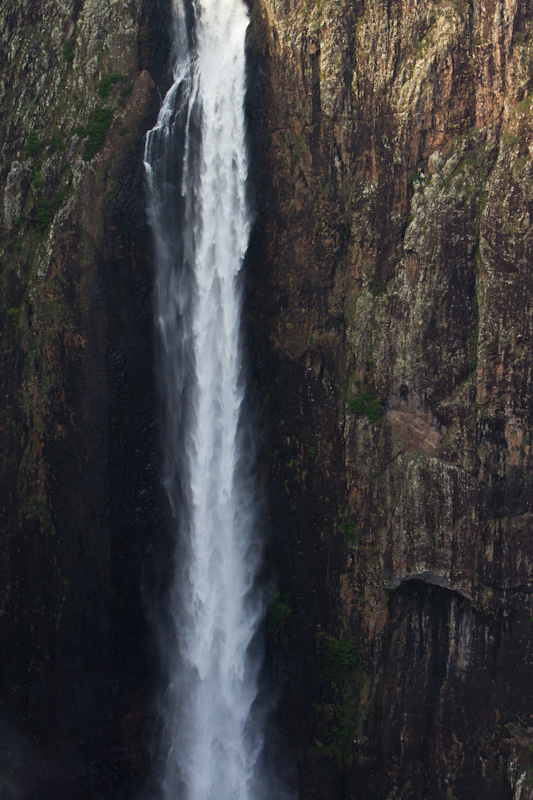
(391,340)
(77,419)
(391,272)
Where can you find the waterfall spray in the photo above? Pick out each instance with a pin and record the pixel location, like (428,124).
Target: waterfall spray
(196,168)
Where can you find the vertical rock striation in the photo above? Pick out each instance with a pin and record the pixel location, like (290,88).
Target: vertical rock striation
(390,305)
(77,427)
(391,328)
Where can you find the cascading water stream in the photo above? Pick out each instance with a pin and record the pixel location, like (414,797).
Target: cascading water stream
(196,170)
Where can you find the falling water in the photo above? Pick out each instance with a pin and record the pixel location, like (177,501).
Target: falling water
(196,169)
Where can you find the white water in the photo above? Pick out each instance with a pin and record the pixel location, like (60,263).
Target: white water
(196,169)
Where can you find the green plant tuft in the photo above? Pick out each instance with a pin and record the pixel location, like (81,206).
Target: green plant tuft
(124,94)
(105,87)
(37,178)
(33,144)
(349,531)
(528,765)
(337,660)
(56,143)
(96,132)
(68,51)
(340,715)
(279,612)
(43,214)
(13,315)
(366,404)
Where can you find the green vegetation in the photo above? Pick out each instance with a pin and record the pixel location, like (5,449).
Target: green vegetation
(366,404)
(37,178)
(33,144)
(13,316)
(279,612)
(124,94)
(346,724)
(338,665)
(43,214)
(336,659)
(105,87)
(96,133)
(417,179)
(528,766)
(349,531)
(525,104)
(56,143)
(68,51)
(299,143)
(296,143)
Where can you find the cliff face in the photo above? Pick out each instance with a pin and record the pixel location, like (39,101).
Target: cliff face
(77,428)
(391,332)
(391,309)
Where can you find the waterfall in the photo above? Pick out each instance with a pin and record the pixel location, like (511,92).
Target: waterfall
(196,167)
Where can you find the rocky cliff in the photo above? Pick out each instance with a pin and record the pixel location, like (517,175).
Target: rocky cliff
(391,341)
(77,419)
(392,316)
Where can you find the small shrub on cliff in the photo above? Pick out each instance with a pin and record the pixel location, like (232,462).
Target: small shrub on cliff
(33,144)
(105,87)
(56,143)
(340,712)
(124,94)
(43,214)
(96,132)
(349,531)
(337,660)
(37,178)
(13,315)
(278,613)
(366,404)
(68,51)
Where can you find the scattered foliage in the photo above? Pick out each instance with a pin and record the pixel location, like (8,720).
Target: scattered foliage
(68,51)
(278,613)
(124,94)
(349,531)
(105,87)
(37,178)
(366,404)
(528,765)
(96,132)
(33,144)
(43,214)
(337,659)
(13,315)
(56,143)
(342,714)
